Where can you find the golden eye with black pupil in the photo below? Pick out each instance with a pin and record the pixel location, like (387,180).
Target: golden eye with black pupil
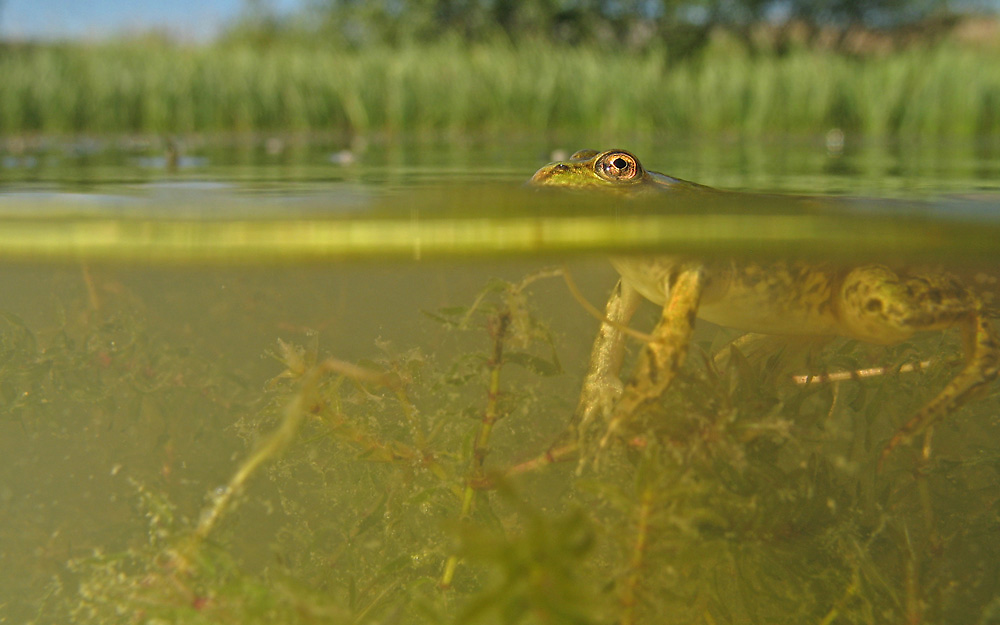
(618,167)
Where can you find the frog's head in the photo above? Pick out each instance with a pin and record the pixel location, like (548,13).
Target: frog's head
(611,169)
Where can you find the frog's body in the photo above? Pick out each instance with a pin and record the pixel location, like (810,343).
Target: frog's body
(810,299)
(778,298)
(870,303)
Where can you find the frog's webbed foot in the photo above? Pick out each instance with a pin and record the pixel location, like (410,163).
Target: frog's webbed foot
(597,404)
(878,306)
(661,358)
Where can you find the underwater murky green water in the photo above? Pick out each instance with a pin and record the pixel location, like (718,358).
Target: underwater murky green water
(284,383)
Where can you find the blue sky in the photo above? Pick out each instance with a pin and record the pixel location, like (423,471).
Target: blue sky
(194,19)
(188,19)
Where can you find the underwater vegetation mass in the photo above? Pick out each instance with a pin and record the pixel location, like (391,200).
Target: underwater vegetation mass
(399,488)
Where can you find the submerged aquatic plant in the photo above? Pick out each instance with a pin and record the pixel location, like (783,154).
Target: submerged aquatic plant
(382,491)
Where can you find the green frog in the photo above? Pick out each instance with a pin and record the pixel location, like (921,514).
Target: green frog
(870,303)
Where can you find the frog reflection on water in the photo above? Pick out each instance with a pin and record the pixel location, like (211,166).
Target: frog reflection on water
(870,303)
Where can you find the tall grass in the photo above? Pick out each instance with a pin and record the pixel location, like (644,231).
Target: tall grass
(155,87)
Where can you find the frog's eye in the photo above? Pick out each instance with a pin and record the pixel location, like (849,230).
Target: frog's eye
(618,166)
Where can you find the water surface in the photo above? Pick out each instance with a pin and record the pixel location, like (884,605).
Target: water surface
(161,320)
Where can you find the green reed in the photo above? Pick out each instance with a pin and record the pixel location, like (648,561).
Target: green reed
(144,86)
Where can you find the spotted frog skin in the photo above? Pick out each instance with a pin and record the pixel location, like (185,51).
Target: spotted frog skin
(870,303)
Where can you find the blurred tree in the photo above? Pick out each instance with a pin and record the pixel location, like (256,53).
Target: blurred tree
(682,26)
(633,23)
(871,13)
(860,26)
(258,24)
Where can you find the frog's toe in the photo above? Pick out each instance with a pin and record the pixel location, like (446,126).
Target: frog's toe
(598,401)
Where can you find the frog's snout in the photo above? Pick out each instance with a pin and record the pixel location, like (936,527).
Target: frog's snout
(542,175)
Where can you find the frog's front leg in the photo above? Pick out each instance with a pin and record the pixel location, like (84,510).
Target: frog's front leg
(880,307)
(662,357)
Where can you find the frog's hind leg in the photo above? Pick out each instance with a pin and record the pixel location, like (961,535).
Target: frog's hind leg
(876,305)
(981,369)
(602,386)
(661,358)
